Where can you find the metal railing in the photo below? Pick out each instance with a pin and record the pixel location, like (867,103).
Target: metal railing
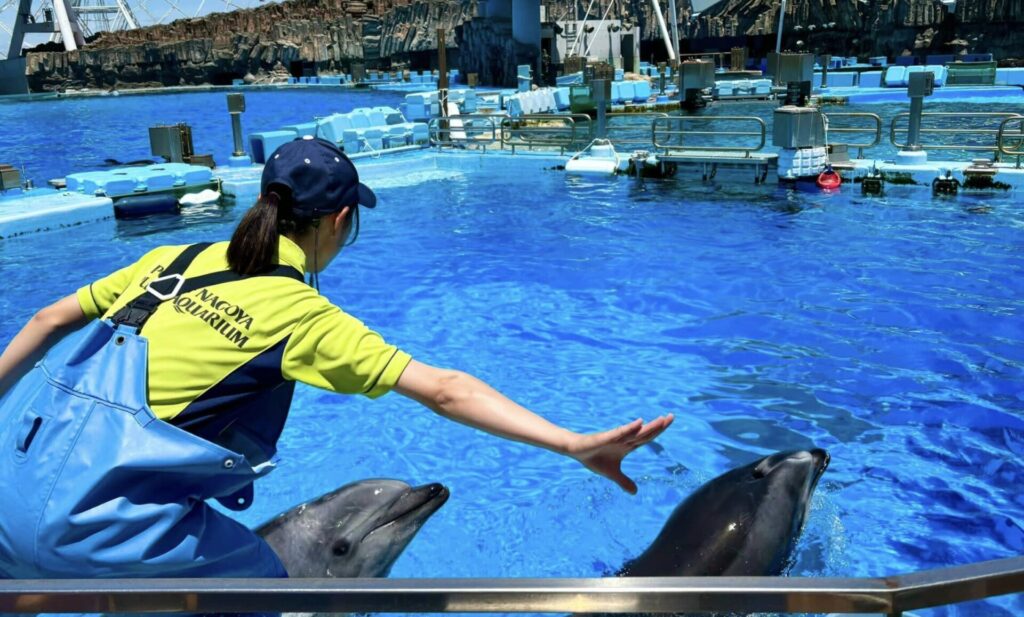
(971,132)
(1011,141)
(480,129)
(546,130)
(889,595)
(622,132)
(875,133)
(671,133)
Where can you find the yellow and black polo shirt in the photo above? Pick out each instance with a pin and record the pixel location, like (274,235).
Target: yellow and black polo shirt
(220,354)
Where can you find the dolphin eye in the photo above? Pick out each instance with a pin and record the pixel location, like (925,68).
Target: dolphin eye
(340,548)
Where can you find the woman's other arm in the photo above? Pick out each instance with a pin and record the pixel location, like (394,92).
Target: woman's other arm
(46,327)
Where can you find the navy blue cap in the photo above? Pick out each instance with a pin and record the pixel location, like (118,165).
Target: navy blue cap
(321,178)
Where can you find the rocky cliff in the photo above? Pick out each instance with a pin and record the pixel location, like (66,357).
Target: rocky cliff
(262,42)
(277,39)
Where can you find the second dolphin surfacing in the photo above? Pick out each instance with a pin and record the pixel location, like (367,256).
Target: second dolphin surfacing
(745,522)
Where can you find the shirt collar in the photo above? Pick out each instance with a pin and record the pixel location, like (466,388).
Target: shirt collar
(291,254)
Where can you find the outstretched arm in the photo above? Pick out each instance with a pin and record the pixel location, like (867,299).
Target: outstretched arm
(45,328)
(465,399)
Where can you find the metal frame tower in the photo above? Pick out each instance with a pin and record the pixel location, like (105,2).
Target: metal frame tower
(70,21)
(58,19)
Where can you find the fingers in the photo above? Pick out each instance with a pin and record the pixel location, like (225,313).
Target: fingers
(633,435)
(624,432)
(652,430)
(624,482)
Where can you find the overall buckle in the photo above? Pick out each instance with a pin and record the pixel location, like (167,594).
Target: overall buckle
(171,294)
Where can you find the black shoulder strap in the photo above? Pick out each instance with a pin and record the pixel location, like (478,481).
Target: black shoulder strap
(172,283)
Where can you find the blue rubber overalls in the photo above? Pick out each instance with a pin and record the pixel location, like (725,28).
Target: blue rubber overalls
(95,485)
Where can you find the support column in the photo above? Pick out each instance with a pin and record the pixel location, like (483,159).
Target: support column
(64,17)
(526,32)
(18,35)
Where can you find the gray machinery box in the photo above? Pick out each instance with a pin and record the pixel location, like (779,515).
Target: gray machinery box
(791,67)
(172,142)
(921,84)
(798,127)
(9,178)
(696,75)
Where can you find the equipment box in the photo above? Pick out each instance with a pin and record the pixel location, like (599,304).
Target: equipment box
(9,178)
(798,127)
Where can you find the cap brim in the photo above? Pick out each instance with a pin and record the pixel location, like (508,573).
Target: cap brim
(366,197)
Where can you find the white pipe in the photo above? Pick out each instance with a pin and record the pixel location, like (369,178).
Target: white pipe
(598,29)
(778,40)
(67,35)
(129,18)
(675,24)
(579,32)
(664,30)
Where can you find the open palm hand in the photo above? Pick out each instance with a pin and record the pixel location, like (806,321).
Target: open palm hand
(603,452)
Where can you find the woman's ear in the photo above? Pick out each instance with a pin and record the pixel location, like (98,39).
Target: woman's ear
(338,222)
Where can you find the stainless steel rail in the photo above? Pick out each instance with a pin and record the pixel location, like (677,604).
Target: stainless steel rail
(670,133)
(546,130)
(876,132)
(989,132)
(889,595)
(621,132)
(1011,142)
(480,129)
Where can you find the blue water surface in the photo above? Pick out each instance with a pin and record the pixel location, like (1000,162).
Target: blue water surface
(55,137)
(887,330)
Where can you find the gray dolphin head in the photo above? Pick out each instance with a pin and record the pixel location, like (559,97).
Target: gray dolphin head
(358,530)
(745,522)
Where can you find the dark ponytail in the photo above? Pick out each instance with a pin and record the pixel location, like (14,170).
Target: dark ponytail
(253,247)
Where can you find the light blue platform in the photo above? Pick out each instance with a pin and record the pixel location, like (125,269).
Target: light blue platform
(243,181)
(46,209)
(862,95)
(120,181)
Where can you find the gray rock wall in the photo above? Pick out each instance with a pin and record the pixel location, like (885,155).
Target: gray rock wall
(329,34)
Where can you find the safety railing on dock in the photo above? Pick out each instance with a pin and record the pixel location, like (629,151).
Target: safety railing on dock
(964,131)
(889,595)
(630,131)
(546,131)
(482,130)
(837,124)
(679,133)
(1011,138)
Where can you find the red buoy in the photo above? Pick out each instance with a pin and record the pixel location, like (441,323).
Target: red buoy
(829,179)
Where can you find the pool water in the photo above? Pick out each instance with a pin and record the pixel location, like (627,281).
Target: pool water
(56,137)
(886,330)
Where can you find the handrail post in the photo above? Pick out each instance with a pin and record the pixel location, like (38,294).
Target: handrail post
(921,85)
(914,130)
(236,105)
(599,86)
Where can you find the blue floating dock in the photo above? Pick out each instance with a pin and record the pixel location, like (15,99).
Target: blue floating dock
(45,210)
(1007,94)
(121,181)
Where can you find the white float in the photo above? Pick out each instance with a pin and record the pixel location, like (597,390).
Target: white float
(205,196)
(599,158)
